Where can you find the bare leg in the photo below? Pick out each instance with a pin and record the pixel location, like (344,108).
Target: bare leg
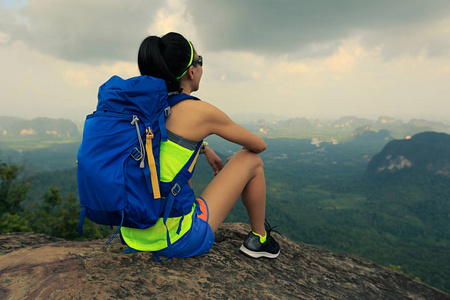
(254,199)
(242,175)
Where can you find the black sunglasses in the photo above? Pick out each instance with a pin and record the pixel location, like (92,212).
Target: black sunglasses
(198,61)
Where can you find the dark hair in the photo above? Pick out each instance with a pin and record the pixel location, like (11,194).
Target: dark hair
(166,58)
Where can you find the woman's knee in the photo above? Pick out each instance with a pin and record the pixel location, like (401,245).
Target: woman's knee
(251,158)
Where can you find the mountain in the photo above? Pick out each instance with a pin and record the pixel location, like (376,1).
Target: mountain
(270,126)
(6,121)
(408,200)
(342,128)
(38,127)
(37,266)
(424,153)
(366,135)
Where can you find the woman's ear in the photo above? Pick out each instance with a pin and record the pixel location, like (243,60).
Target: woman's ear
(191,72)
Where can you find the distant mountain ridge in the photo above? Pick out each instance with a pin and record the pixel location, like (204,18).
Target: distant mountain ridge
(345,127)
(270,126)
(38,127)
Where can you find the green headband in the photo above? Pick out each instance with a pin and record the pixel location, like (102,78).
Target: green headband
(190,61)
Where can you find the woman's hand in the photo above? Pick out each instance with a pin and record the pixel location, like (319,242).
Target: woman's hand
(213,159)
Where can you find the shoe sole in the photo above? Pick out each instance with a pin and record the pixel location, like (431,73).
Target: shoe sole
(254,254)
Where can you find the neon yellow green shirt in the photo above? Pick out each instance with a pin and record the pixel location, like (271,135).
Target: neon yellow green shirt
(172,159)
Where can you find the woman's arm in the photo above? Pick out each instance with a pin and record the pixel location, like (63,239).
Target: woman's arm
(213,159)
(219,123)
(195,120)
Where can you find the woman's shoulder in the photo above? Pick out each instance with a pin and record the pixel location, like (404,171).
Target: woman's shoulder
(193,119)
(197,106)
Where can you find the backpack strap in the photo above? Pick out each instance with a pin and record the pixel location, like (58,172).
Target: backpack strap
(80,222)
(178,182)
(82,216)
(174,99)
(152,164)
(118,229)
(162,123)
(186,172)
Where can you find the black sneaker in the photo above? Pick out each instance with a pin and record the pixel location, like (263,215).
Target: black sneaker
(253,247)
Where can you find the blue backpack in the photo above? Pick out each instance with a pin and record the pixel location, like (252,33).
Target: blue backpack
(118,159)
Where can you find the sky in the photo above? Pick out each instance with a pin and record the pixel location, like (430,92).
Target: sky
(292,58)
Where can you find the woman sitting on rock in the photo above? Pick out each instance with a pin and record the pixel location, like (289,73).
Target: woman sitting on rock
(174,59)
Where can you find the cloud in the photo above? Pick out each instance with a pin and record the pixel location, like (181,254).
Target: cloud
(316,27)
(103,30)
(296,58)
(430,39)
(77,78)
(81,30)
(4,38)
(173,17)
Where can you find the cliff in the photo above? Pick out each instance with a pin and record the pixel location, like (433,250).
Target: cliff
(36,266)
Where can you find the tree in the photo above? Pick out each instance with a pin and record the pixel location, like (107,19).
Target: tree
(12,189)
(55,215)
(58,216)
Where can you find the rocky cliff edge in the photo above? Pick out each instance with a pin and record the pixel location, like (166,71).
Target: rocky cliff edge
(36,266)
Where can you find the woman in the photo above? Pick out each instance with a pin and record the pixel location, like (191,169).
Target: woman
(174,59)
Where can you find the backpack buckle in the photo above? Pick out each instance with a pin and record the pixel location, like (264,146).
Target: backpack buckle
(136,154)
(167,111)
(175,189)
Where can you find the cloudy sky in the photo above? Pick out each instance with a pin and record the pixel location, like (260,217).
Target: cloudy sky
(293,58)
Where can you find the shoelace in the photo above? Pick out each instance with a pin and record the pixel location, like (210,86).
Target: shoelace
(270,229)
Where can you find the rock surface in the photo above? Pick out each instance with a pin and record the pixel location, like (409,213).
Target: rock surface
(36,266)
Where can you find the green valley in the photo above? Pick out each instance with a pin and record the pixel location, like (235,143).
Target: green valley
(321,189)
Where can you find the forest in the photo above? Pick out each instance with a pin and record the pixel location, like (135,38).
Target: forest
(317,193)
